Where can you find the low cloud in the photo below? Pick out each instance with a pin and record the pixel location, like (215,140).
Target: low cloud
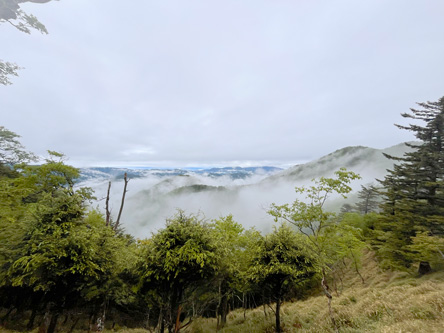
(153,198)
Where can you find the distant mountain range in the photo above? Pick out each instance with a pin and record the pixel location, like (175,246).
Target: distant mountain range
(110,173)
(156,194)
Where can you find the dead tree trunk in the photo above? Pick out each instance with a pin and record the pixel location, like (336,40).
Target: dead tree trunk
(126,180)
(108,213)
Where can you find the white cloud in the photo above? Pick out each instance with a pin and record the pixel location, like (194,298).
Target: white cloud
(208,82)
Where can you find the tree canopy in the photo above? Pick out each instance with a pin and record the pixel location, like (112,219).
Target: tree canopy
(11,150)
(414,191)
(281,262)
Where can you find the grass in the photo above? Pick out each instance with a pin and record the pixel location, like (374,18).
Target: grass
(387,302)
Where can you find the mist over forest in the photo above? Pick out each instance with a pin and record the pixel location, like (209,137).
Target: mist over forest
(240,239)
(155,195)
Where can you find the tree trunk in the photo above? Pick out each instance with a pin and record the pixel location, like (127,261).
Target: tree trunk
(46,321)
(53,323)
(161,321)
(6,316)
(108,213)
(102,317)
(74,325)
(424,268)
(126,180)
(278,315)
(224,312)
(329,297)
(177,326)
(265,309)
(218,306)
(147,324)
(244,306)
(67,315)
(30,324)
(173,308)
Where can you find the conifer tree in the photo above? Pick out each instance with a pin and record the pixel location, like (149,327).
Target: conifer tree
(368,200)
(413,196)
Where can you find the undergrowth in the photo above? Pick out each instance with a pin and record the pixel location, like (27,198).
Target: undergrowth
(386,302)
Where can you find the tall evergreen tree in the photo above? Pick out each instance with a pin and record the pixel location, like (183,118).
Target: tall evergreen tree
(368,199)
(413,196)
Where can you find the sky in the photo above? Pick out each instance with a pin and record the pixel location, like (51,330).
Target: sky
(217,83)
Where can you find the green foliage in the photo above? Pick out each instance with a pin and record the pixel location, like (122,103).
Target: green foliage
(54,252)
(180,252)
(175,259)
(279,264)
(345,238)
(427,248)
(312,220)
(56,243)
(414,193)
(12,151)
(234,247)
(368,200)
(231,245)
(326,240)
(281,261)
(116,255)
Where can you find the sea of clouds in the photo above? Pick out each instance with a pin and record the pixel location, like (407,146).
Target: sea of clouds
(151,199)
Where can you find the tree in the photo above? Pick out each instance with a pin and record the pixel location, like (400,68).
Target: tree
(318,225)
(230,244)
(55,254)
(10,12)
(413,190)
(279,264)
(113,285)
(12,151)
(369,202)
(176,259)
(7,69)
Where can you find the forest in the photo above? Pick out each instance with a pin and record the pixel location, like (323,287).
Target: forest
(65,266)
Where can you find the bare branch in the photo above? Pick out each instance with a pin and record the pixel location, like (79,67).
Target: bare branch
(126,180)
(108,213)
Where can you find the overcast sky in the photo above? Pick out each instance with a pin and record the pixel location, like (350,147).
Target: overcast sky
(199,82)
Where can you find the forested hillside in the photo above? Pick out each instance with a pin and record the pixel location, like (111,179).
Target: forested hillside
(243,192)
(65,266)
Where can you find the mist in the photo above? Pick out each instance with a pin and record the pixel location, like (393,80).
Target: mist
(153,197)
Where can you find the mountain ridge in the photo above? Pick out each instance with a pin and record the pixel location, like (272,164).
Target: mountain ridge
(350,157)
(156,196)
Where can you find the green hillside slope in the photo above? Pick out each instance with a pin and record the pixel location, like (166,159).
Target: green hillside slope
(386,302)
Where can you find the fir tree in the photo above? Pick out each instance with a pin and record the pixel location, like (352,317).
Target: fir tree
(368,200)
(413,195)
